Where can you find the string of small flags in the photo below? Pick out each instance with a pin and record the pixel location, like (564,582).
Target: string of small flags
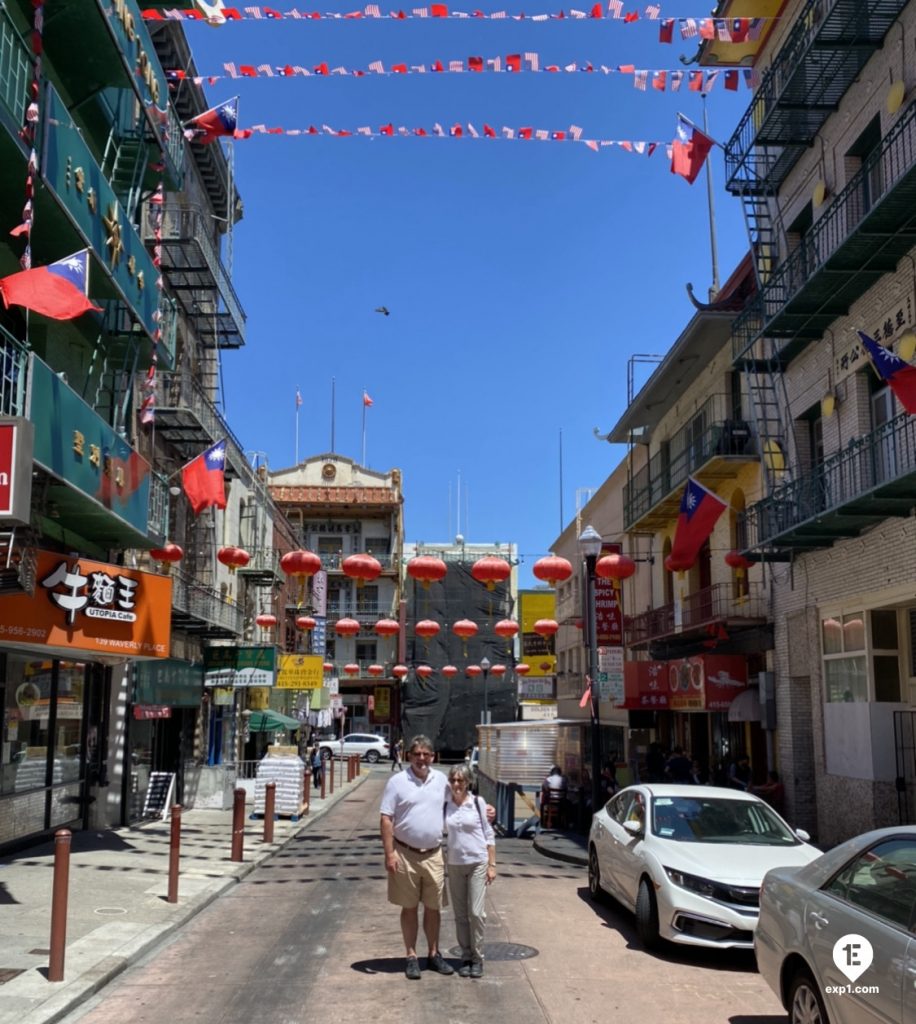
(461,130)
(660,80)
(27,132)
(728,30)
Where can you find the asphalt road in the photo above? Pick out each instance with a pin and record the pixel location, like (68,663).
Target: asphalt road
(309,936)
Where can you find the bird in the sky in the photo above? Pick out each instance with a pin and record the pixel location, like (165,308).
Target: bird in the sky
(383,310)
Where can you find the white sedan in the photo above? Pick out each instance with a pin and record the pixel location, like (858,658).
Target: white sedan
(689,860)
(364,745)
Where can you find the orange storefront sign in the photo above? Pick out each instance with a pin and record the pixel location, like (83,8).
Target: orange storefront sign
(91,606)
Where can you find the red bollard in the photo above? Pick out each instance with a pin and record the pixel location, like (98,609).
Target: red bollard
(270,800)
(59,896)
(324,772)
(350,769)
(331,773)
(174,848)
(307,789)
(238,825)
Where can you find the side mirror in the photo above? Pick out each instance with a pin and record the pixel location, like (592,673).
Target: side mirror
(803,835)
(633,827)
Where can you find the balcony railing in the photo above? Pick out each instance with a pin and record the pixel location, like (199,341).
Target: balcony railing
(717,603)
(264,561)
(708,434)
(14,362)
(370,611)
(198,609)
(15,71)
(871,479)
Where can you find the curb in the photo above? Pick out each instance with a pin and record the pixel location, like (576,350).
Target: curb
(98,974)
(550,846)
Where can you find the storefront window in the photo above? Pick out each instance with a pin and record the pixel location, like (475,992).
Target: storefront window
(846,679)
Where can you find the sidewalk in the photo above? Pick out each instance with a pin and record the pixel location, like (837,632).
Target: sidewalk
(570,847)
(117,909)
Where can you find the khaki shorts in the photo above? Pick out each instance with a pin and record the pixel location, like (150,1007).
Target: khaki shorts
(420,878)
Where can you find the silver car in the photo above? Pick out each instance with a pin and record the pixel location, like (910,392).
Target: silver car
(835,939)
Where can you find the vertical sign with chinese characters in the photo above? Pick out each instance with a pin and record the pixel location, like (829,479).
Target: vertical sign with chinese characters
(91,606)
(609,633)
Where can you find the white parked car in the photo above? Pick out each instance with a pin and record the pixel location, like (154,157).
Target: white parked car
(689,860)
(864,889)
(368,747)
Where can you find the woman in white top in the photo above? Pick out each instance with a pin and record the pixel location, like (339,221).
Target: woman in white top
(471,858)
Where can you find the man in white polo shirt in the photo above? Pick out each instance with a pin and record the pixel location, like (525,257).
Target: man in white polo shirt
(411,827)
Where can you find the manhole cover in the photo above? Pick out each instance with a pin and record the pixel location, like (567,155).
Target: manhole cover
(110,911)
(501,951)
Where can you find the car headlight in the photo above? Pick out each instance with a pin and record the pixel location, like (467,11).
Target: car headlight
(694,883)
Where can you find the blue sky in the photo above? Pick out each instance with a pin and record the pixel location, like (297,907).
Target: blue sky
(520,276)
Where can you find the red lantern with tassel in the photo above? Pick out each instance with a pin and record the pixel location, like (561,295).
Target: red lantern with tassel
(473,671)
(266,621)
(328,666)
(546,627)
(387,627)
(449,671)
(423,671)
(300,565)
(552,569)
(168,555)
(735,560)
(615,567)
(376,671)
(491,570)
(362,568)
(522,668)
(306,623)
(233,557)
(426,569)
(400,671)
(427,628)
(498,670)
(506,628)
(674,564)
(346,627)
(352,669)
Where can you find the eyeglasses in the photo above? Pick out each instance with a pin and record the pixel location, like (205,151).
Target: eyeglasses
(421,753)
(457,782)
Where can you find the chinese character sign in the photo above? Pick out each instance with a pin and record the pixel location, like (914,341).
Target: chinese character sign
(91,606)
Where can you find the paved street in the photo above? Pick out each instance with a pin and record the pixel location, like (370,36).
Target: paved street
(309,935)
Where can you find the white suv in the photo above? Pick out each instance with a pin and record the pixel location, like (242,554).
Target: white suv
(368,747)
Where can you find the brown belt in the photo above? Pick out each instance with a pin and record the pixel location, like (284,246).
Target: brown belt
(413,849)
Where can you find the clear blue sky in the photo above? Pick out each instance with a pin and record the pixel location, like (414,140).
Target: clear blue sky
(520,276)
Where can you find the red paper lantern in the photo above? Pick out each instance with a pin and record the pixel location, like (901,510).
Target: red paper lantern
(506,628)
(427,628)
(400,671)
(234,558)
(465,629)
(300,565)
(426,569)
(473,671)
(552,569)
(387,627)
(266,621)
(449,671)
(491,570)
(346,627)
(579,624)
(306,623)
(328,666)
(376,670)
(546,627)
(546,666)
(352,669)
(522,669)
(424,671)
(362,568)
(738,562)
(498,671)
(615,567)
(677,564)
(170,553)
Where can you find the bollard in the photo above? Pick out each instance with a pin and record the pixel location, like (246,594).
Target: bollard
(331,773)
(357,768)
(322,781)
(174,849)
(238,825)
(59,894)
(306,789)
(270,799)
(350,768)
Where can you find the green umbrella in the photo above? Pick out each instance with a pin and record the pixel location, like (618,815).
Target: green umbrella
(265,721)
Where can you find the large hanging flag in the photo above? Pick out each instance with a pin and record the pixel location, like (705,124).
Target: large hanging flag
(700,509)
(218,122)
(59,290)
(689,149)
(899,376)
(203,478)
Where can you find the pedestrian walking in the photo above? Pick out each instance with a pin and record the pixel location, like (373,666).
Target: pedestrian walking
(397,756)
(317,766)
(471,860)
(411,829)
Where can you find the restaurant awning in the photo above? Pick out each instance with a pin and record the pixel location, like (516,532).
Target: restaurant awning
(265,721)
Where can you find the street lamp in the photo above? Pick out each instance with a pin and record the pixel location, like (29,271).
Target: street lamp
(590,549)
(485,668)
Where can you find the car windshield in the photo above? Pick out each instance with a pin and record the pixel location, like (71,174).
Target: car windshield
(699,819)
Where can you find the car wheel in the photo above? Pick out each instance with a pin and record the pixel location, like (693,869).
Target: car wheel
(594,877)
(647,916)
(806,1006)
(325,754)
(372,756)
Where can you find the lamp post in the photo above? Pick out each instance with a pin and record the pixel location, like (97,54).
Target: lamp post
(485,668)
(590,549)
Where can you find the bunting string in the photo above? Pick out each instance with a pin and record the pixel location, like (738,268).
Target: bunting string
(728,30)
(463,130)
(527,63)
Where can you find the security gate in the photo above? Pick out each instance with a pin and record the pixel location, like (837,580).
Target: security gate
(905,748)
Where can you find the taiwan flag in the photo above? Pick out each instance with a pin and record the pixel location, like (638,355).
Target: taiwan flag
(220,121)
(700,509)
(689,150)
(899,376)
(58,290)
(203,478)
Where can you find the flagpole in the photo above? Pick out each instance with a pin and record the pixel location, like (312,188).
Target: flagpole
(714,287)
(332,414)
(363,462)
(297,425)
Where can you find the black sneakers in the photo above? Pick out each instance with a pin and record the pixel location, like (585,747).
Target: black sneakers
(412,969)
(476,970)
(436,963)
(464,971)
